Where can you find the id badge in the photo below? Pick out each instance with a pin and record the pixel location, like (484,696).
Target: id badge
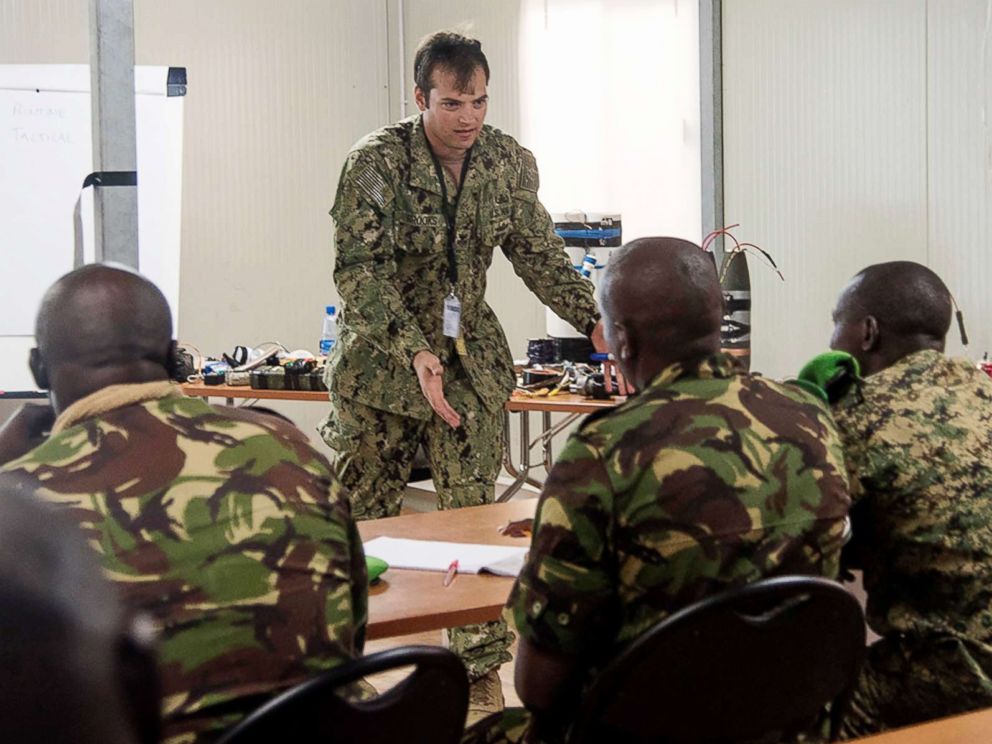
(452,316)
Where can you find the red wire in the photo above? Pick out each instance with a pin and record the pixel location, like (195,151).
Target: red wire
(739,248)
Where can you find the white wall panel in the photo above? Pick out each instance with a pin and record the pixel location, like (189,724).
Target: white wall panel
(44,31)
(278,92)
(610,106)
(825,153)
(960,160)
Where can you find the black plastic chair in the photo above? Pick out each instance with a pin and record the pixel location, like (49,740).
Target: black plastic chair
(429,705)
(756,664)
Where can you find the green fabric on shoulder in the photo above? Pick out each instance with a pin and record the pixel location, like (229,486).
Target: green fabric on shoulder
(831,373)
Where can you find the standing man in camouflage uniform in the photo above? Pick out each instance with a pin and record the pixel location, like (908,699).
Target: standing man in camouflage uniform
(224,525)
(917,432)
(420,358)
(707,479)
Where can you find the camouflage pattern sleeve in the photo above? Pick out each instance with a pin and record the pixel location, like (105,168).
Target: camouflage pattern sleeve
(228,529)
(854,424)
(358,582)
(704,481)
(538,254)
(564,592)
(918,438)
(348,614)
(365,263)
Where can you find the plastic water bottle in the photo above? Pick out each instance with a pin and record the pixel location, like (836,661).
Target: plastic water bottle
(330,332)
(588,264)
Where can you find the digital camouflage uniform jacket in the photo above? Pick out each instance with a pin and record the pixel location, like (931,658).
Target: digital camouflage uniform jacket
(226,527)
(707,480)
(391,268)
(918,440)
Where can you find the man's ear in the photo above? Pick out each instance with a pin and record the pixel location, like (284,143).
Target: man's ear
(870,335)
(420,97)
(172,360)
(38,370)
(626,344)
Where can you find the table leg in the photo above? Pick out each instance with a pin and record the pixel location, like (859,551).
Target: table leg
(546,427)
(227,401)
(549,433)
(519,475)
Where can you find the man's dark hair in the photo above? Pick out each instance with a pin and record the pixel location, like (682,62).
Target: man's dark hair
(661,305)
(665,289)
(453,52)
(906,298)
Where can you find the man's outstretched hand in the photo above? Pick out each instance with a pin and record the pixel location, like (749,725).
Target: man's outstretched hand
(429,374)
(518,528)
(598,339)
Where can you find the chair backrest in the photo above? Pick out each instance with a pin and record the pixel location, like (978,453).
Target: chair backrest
(749,665)
(430,704)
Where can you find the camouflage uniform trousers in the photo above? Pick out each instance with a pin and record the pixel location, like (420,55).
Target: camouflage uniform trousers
(373,456)
(904,682)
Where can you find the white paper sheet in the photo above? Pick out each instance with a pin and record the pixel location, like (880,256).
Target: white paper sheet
(433,555)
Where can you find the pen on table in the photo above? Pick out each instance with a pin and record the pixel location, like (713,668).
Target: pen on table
(450,575)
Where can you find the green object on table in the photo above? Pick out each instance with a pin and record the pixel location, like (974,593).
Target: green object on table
(831,373)
(376,567)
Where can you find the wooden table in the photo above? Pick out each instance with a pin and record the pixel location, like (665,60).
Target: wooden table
(199,390)
(406,601)
(561,403)
(969,728)
(572,405)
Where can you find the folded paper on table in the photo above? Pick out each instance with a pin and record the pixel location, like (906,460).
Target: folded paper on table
(432,555)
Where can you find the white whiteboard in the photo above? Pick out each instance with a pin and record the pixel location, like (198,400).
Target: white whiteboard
(45,153)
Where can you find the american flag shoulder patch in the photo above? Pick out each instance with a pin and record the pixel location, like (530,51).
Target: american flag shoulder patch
(372,184)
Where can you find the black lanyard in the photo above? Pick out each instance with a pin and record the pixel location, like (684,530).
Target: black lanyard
(450,211)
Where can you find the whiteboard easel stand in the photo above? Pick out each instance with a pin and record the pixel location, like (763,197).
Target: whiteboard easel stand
(711,119)
(115,197)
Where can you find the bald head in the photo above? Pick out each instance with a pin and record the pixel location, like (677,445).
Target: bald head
(60,632)
(889,310)
(101,325)
(661,304)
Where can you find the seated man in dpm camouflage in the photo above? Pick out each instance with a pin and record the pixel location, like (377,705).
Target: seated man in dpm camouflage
(224,525)
(708,479)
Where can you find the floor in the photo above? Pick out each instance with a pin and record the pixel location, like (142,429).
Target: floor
(434,638)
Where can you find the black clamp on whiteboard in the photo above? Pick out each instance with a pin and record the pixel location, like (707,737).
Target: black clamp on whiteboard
(111,178)
(175,84)
(99,178)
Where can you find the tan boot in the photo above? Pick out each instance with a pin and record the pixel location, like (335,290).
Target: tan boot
(485,696)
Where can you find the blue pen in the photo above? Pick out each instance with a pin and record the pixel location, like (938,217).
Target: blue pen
(601,357)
